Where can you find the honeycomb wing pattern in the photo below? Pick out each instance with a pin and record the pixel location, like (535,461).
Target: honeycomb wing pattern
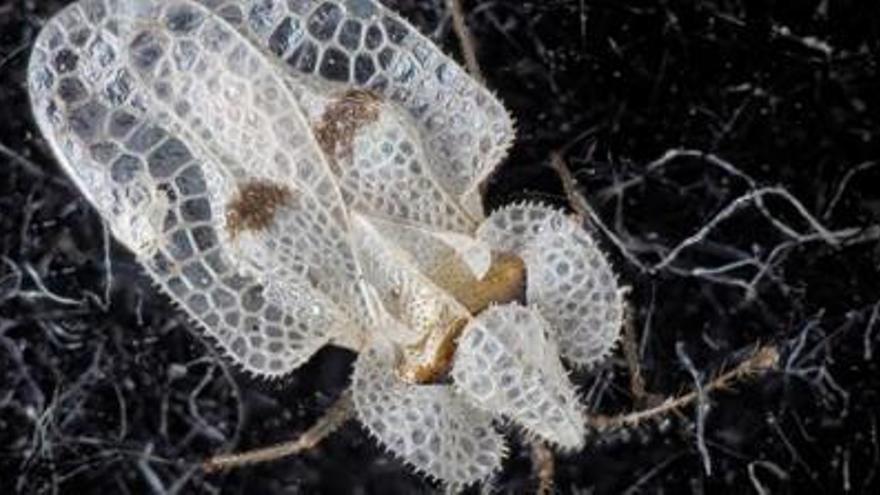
(427,426)
(569,279)
(506,364)
(274,192)
(360,43)
(383,170)
(157,187)
(578,293)
(516,226)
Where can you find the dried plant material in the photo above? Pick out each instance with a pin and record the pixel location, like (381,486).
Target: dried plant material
(340,412)
(764,359)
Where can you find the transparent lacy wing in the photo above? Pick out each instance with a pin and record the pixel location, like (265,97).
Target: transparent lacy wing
(505,364)
(163,188)
(443,257)
(427,426)
(569,279)
(405,292)
(377,155)
(214,84)
(360,43)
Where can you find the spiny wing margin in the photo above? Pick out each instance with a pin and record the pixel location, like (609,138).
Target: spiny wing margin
(569,279)
(506,364)
(428,426)
(275,193)
(150,181)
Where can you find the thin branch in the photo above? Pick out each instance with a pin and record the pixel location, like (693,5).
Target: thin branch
(764,359)
(569,185)
(585,211)
(737,204)
(14,53)
(465,39)
(754,196)
(631,353)
(843,185)
(43,291)
(544,467)
(340,412)
(774,469)
(21,161)
(868,336)
(639,485)
(30,167)
(702,406)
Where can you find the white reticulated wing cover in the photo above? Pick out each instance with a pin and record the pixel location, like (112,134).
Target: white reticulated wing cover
(297,173)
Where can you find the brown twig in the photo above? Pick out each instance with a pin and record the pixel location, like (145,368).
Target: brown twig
(763,359)
(630,349)
(631,353)
(340,412)
(544,466)
(21,161)
(465,39)
(576,200)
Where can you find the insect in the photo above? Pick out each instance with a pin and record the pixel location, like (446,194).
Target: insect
(303,173)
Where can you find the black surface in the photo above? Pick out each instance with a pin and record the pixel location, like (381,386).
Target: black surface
(116,395)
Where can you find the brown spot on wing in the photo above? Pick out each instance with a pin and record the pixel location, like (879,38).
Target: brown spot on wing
(255,205)
(342,119)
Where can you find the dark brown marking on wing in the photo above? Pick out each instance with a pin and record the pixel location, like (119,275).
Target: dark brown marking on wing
(342,119)
(254,207)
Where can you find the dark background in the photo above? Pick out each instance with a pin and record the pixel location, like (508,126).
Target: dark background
(103,388)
